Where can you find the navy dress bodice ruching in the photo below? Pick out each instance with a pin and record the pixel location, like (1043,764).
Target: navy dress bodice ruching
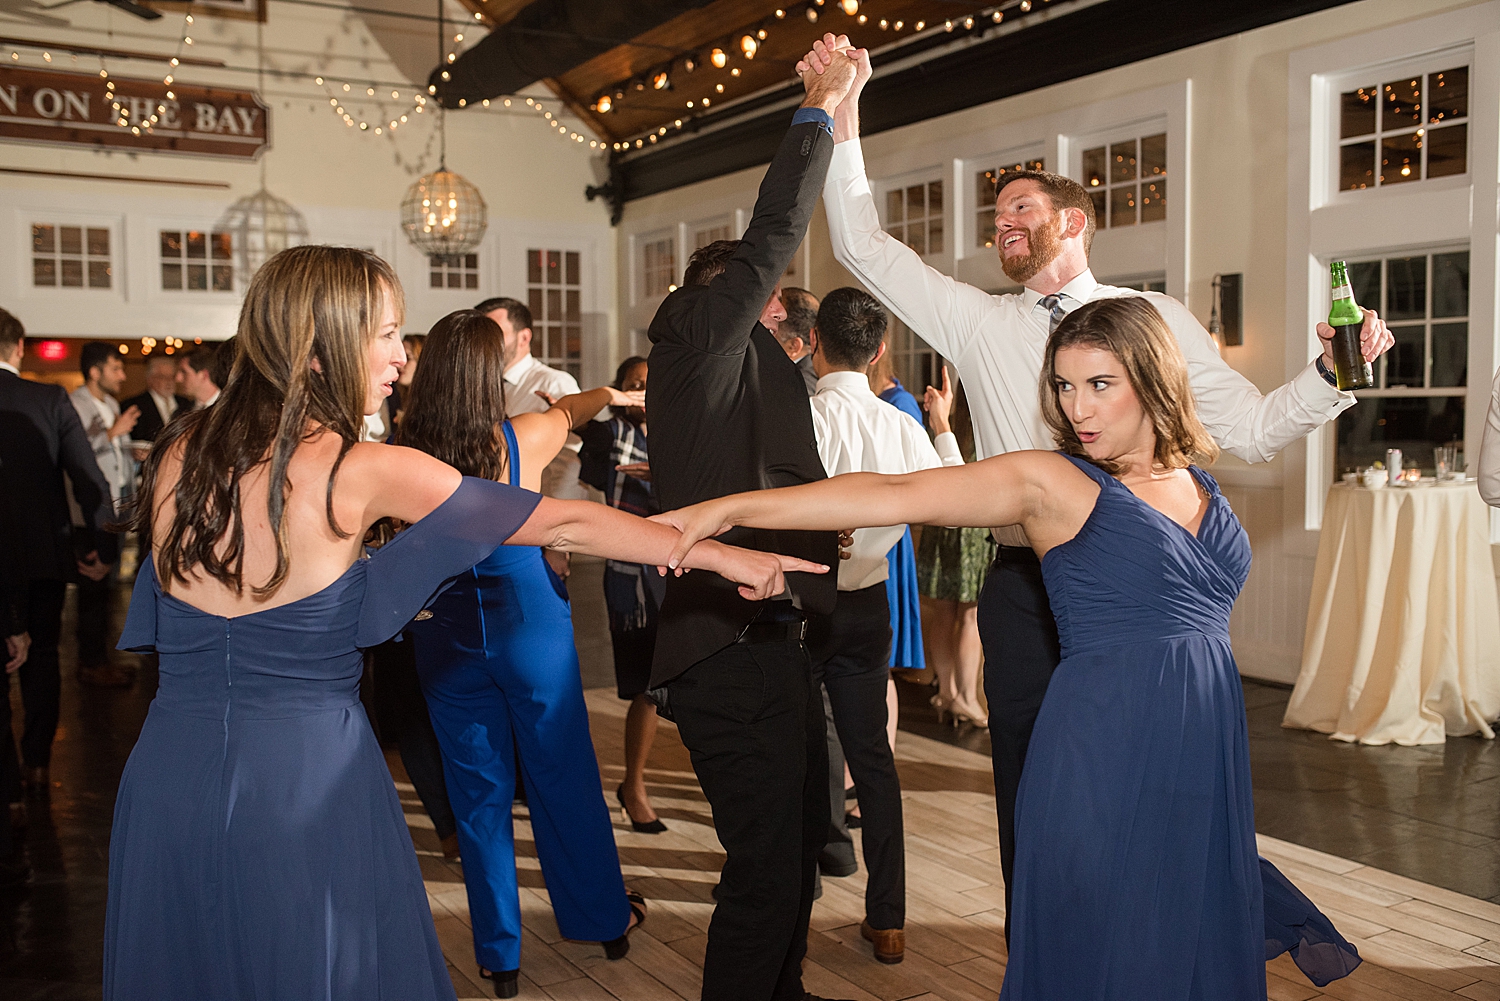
(259,850)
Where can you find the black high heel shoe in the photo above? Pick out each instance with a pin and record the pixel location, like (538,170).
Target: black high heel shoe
(649,827)
(618,948)
(504,981)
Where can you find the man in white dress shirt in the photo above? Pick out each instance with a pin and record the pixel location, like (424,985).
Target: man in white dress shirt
(525,377)
(108,430)
(1044,227)
(859,432)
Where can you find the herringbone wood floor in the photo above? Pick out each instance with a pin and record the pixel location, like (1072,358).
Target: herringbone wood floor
(1420,942)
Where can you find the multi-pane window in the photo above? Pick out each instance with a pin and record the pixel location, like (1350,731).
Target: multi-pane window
(554,291)
(195,260)
(658,264)
(70,256)
(987,185)
(453,271)
(914,360)
(1418,400)
(914,215)
(1127,181)
(711,231)
(1405,129)
(1157,284)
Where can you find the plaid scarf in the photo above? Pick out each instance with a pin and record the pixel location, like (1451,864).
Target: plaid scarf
(632,591)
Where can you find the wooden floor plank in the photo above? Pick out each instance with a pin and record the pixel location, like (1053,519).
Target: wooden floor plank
(1420,942)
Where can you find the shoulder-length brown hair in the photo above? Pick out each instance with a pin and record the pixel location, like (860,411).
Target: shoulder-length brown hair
(306,304)
(1131,329)
(458,396)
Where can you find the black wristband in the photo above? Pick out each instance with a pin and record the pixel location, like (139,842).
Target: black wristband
(1328,376)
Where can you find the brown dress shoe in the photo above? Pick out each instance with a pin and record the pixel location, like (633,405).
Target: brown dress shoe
(889,943)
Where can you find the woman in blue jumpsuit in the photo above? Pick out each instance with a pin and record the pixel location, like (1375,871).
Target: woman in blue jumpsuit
(496,659)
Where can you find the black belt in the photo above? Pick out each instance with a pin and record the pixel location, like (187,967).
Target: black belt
(777,631)
(1018,554)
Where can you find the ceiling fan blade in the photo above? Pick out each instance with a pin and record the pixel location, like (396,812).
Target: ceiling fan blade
(131,7)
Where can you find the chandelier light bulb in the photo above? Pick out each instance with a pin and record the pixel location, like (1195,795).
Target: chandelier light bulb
(717,57)
(748,45)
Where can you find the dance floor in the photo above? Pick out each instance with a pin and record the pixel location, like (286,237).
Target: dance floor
(1420,942)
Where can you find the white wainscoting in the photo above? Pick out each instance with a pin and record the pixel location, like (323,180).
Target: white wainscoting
(1271,615)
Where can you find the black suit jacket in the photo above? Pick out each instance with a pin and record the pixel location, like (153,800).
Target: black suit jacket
(12,580)
(41,438)
(150,425)
(729,410)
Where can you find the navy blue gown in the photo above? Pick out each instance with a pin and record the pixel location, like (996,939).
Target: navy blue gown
(1137,875)
(259,851)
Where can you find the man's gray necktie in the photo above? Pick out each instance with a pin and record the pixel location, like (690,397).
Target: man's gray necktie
(1055,311)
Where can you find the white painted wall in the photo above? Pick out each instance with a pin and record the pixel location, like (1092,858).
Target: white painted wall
(1231,132)
(347,183)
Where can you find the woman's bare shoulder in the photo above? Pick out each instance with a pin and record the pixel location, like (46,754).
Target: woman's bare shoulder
(393,481)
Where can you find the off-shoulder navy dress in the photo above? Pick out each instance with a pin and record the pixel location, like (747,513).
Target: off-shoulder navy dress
(259,852)
(1137,876)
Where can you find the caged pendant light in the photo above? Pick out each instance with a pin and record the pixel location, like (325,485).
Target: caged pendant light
(443,214)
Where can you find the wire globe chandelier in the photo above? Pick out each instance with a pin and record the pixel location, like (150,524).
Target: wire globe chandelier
(443,214)
(262,226)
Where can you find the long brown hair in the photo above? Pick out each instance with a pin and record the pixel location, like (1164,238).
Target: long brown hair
(1131,329)
(306,304)
(458,396)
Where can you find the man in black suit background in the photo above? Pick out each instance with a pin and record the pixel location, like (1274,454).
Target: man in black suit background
(160,402)
(729,412)
(41,438)
(14,645)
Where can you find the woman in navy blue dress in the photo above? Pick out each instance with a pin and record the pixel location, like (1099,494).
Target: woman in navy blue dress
(1136,874)
(259,851)
(496,659)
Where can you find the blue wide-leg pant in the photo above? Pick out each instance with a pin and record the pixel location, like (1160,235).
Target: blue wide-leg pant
(500,672)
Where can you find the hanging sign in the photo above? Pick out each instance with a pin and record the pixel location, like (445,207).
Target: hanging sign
(77,109)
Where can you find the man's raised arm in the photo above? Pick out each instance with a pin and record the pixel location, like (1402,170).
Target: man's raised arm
(943,311)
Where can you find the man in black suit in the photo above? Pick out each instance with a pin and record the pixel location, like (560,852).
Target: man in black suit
(795,332)
(160,402)
(729,412)
(14,646)
(41,438)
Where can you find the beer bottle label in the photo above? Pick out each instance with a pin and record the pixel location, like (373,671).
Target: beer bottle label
(1343,292)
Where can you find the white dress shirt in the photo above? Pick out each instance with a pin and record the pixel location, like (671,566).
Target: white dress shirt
(10,368)
(858,432)
(996,341)
(523,381)
(112,454)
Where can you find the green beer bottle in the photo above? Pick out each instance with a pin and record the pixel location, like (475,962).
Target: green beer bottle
(1349,366)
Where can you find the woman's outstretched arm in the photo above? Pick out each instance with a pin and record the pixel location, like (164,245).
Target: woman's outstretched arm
(1011,489)
(586,527)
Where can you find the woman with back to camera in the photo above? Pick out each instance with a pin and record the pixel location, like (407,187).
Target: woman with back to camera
(500,671)
(258,848)
(1136,868)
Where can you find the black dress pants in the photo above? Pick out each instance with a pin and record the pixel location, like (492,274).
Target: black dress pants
(401,715)
(850,650)
(1019,636)
(92,624)
(750,719)
(41,681)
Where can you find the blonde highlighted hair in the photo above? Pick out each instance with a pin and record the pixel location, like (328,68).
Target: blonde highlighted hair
(306,305)
(1131,329)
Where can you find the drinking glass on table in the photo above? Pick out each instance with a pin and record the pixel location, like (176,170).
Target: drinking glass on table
(1445,460)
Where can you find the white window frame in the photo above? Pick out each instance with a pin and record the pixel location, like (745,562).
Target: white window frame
(434,264)
(183,229)
(1143,247)
(58,220)
(1336,84)
(926,176)
(638,291)
(1325,224)
(1112,137)
(540,322)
